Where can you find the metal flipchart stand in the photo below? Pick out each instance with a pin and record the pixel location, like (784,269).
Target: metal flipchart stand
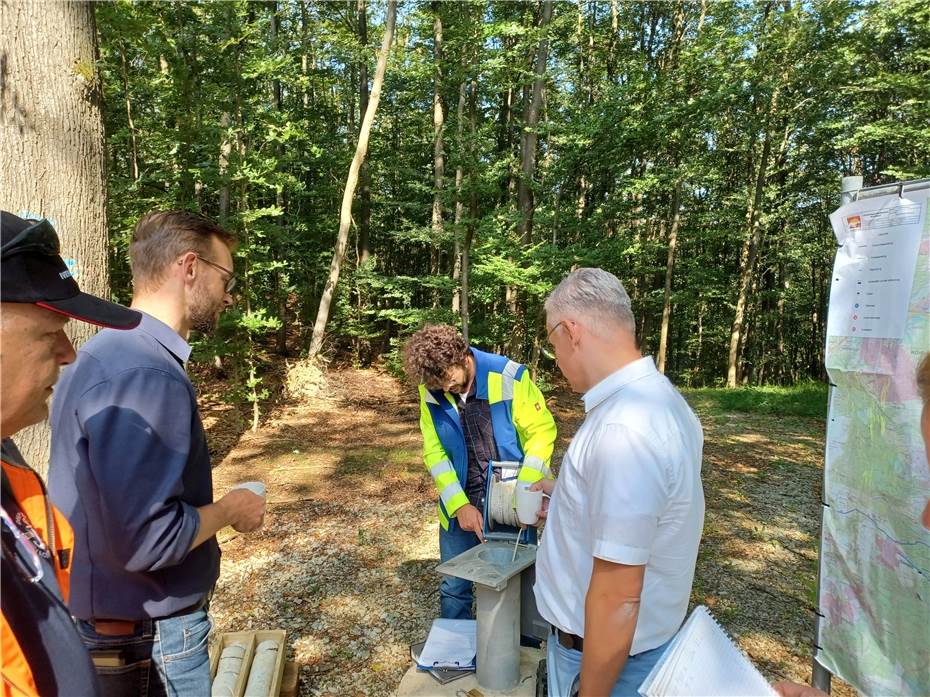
(504,582)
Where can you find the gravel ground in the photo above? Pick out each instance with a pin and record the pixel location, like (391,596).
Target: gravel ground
(345,560)
(351,600)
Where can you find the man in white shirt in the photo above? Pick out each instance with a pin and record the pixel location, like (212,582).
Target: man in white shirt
(616,563)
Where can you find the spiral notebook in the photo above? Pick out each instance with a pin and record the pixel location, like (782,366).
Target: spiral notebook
(442,675)
(703,661)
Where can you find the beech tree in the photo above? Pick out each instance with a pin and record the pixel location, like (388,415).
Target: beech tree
(52,148)
(345,211)
(693,149)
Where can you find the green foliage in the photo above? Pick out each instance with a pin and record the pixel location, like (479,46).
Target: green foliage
(804,399)
(249,112)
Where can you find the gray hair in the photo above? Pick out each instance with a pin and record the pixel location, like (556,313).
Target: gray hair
(594,293)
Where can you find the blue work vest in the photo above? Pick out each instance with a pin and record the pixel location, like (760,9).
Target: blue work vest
(448,425)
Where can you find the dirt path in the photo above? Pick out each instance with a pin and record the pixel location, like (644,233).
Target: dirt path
(345,560)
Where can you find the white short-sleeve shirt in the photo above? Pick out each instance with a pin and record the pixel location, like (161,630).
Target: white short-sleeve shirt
(629,491)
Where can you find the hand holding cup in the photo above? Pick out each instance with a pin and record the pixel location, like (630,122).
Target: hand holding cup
(547,486)
(529,500)
(246,504)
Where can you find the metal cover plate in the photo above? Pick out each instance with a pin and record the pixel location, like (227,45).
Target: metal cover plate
(489,564)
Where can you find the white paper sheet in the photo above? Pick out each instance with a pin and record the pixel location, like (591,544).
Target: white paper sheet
(874,268)
(450,644)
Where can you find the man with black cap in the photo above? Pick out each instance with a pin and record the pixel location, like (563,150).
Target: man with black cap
(42,653)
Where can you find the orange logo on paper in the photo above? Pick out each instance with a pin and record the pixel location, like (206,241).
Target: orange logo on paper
(854,222)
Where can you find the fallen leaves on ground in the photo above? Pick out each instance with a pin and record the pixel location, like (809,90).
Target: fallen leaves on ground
(345,562)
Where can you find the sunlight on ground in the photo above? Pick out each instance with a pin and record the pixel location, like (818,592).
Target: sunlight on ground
(346,562)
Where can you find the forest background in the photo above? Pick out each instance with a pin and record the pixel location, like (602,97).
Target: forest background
(694,149)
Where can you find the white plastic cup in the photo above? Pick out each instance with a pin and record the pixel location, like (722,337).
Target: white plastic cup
(528,503)
(255,487)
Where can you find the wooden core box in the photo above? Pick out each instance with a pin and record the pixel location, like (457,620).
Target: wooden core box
(250,641)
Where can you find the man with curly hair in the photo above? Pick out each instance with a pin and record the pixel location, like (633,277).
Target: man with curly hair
(475,407)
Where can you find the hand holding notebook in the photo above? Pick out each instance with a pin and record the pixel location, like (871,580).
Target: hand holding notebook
(703,661)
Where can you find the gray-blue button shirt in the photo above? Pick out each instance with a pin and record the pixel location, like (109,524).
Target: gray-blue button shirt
(129,467)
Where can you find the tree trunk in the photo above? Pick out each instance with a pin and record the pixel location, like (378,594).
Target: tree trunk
(459,205)
(473,199)
(280,292)
(52,156)
(700,340)
(525,200)
(304,55)
(504,140)
(579,41)
(438,121)
(669,272)
(612,46)
(133,147)
(185,46)
(225,150)
(345,213)
(528,164)
(592,28)
(581,202)
(750,248)
(364,194)
(438,159)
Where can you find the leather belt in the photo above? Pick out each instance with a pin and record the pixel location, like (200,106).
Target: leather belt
(569,641)
(115,627)
(126,627)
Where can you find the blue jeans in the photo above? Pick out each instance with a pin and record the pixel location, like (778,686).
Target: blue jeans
(455,594)
(563,668)
(163,658)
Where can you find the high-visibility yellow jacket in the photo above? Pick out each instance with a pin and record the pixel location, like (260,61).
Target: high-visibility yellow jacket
(524,430)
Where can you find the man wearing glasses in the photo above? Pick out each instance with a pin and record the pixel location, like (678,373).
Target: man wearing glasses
(42,653)
(131,469)
(475,407)
(614,570)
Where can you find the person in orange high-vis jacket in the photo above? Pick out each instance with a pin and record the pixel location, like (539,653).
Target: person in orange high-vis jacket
(42,653)
(27,509)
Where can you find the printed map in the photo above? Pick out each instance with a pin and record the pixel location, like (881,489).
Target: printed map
(875,554)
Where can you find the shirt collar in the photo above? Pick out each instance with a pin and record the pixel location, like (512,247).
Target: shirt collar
(166,336)
(472,393)
(616,381)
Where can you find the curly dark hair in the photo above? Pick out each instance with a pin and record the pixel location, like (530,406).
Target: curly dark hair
(431,351)
(923,378)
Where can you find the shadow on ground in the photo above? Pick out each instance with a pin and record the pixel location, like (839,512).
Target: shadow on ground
(346,559)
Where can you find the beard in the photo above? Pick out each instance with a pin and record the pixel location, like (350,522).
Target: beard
(204,312)
(460,388)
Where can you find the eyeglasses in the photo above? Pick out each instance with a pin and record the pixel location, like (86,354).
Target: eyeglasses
(230,282)
(40,237)
(545,350)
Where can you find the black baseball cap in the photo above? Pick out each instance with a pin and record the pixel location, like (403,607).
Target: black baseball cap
(32,271)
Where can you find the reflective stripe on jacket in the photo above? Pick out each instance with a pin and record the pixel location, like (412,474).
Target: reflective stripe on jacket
(524,430)
(56,532)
